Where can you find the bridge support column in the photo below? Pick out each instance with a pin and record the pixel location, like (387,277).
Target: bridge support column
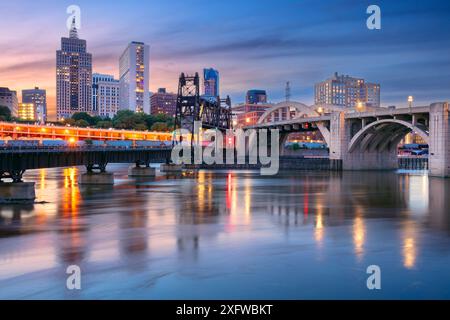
(17,192)
(138,171)
(171,168)
(96,178)
(439,155)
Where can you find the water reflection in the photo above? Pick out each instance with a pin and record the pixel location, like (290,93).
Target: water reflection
(205,224)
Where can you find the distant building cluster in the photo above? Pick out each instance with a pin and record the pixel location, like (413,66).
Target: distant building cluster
(347,92)
(78,89)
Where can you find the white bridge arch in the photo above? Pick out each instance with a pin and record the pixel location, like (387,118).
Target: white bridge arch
(290,110)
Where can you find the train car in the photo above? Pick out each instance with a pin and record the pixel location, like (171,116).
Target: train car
(125,144)
(23,144)
(47,143)
(80,144)
(96,143)
(147,144)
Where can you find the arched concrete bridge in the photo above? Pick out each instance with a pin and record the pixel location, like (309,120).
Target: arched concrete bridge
(367,140)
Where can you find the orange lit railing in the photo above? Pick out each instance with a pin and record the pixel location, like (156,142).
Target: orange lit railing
(14,131)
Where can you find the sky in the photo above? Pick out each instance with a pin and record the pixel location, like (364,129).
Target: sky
(254,44)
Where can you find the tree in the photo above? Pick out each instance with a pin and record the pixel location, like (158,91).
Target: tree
(104,124)
(127,119)
(5,113)
(81,123)
(69,122)
(160,126)
(83,116)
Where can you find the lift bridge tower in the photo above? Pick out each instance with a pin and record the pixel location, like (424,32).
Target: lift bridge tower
(213,112)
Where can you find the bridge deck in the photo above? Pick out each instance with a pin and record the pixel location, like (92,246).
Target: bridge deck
(24,159)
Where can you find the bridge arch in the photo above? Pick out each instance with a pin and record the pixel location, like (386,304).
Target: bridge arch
(385,134)
(284,111)
(289,110)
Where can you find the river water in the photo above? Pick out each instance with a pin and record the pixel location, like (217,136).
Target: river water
(229,235)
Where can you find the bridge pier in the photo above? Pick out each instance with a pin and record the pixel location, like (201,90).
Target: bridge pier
(171,168)
(17,191)
(138,171)
(439,152)
(91,177)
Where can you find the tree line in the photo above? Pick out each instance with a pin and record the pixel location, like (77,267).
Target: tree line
(124,119)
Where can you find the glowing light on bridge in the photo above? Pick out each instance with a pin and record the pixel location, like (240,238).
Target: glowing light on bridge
(14,131)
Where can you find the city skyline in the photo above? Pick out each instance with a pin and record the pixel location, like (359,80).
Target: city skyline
(314,40)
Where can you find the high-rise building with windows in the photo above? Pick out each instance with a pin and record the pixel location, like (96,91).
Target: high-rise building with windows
(27,111)
(347,92)
(134,78)
(163,102)
(8,98)
(256,96)
(105,95)
(211,82)
(38,98)
(73,76)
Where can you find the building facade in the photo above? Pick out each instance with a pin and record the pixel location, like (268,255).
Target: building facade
(134,66)
(27,111)
(8,98)
(105,95)
(163,102)
(248,114)
(256,96)
(73,76)
(347,92)
(38,98)
(211,82)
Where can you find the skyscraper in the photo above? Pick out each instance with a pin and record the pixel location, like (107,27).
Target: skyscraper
(211,82)
(37,97)
(8,98)
(256,96)
(73,76)
(105,95)
(347,92)
(134,78)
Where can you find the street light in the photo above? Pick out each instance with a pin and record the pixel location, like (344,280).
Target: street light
(359,106)
(410,102)
(320,110)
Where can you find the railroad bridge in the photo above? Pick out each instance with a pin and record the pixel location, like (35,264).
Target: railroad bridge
(366,139)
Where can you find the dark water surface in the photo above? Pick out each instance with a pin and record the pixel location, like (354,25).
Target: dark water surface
(229,235)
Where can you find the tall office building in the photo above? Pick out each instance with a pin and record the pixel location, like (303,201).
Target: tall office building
(38,98)
(8,98)
(347,92)
(73,76)
(256,96)
(134,78)
(163,102)
(105,95)
(211,82)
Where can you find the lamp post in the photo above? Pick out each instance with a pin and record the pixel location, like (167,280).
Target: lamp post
(410,102)
(320,111)
(359,106)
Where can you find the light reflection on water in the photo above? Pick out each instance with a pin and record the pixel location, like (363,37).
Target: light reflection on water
(229,235)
